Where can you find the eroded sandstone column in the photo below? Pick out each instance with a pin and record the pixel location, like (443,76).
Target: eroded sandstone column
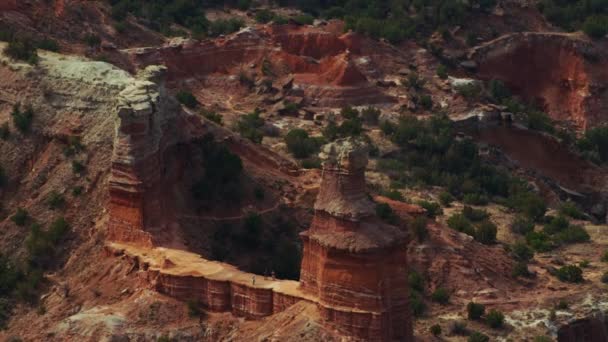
(353,262)
(142,134)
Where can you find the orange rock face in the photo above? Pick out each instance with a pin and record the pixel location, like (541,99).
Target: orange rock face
(323,63)
(8,5)
(564,75)
(354,263)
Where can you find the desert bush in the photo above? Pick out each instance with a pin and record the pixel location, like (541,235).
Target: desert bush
(264,16)
(370,115)
(596,26)
(22,49)
(213,116)
(186,98)
(300,145)
(20,217)
(486,233)
(432,208)
(249,126)
(415,281)
(475,215)
(522,252)
(476,336)
(417,304)
(570,209)
(475,310)
(5,131)
(521,270)
(92,40)
(435,330)
(442,72)
(441,296)
(419,226)
(446,199)
(495,319)
(55,200)
(22,119)
(460,223)
(78,167)
(522,225)
(604,278)
(570,274)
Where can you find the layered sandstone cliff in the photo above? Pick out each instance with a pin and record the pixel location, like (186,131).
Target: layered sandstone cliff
(147,125)
(563,74)
(354,263)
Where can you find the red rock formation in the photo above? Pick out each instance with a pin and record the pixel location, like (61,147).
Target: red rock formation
(8,5)
(323,63)
(143,132)
(354,263)
(562,74)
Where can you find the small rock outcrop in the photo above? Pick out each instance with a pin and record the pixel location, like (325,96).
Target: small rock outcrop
(353,262)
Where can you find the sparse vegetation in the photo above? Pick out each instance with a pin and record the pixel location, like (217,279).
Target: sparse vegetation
(419,226)
(300,145)
(187,99)
(441,296)
(5,131)
(570,274)
(476,336)
(435,330)
(250,127)
(55,200)
(22,119)
(432,208)
(495,319)
(78,167)
(475,311)
(22,49)
(20,217)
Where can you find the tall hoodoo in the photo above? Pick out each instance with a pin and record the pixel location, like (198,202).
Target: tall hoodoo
(353,262)
(142,134)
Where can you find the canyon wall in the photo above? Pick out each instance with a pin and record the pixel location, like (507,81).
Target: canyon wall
(8,5)
(351,259)
(562,74)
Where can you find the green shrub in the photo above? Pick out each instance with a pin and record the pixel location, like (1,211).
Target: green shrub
(22,49)
(521,270)
(442,72)
(604,278)
(77,190)
(414,81)
(460,223)
(77,167)
(475,215)
(48,44)
(475,310)
(20,217)
(213,116)
(530,204)
(475,199)
(419,225)
(495,319)
(55,200)
(570,209)
(5,131)
(92,40)
(498,90)
(300,144)
(469,91)
(522,252)
(476,336)
(303,19)
(432,208)
(311,163)
(395,195)
(225,26)
(542,338)
(540,121)
(415,281)
(194,308)
(186,98)
(446,199)
(441,296)
(370,115)
(540,241)
(596,26)
(264,16)
(22,119)
(435,330)
(385,212)
(249,126)
(570,274)
(486,233)
(426,102)
(522,225)
(604,257)
(417,304)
